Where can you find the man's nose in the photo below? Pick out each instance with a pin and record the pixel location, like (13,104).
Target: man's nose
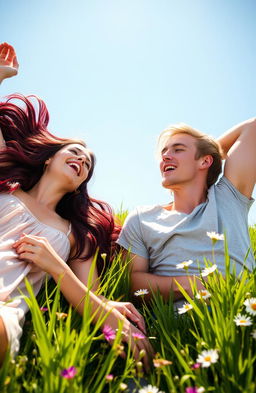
(167,155)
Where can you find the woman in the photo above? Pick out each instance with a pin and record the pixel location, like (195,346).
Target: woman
(47,217)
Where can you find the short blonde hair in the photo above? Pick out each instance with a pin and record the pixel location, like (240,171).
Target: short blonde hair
(205,145)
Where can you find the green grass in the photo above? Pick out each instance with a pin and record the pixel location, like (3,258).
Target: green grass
(51,344)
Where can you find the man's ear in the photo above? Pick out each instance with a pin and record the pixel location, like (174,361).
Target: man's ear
(206,161)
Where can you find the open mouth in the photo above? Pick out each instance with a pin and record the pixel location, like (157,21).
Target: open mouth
(169,168)
(76,167)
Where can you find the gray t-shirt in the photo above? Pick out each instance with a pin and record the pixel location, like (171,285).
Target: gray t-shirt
(167,238)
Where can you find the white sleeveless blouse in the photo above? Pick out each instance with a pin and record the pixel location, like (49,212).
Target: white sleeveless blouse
(16,219)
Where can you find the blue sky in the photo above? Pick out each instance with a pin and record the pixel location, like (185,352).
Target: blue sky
(115,73)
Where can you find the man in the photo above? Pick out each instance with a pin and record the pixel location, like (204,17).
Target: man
(160,237)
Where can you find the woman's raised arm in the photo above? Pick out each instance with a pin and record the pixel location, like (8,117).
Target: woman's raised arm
(8,67)
(8,62)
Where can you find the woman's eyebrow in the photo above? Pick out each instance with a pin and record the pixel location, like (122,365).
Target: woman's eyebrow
(81,151)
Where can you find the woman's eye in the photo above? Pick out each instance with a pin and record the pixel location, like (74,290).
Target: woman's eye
(73,151)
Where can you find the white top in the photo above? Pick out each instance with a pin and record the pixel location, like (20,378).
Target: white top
(167,238)
(16,219)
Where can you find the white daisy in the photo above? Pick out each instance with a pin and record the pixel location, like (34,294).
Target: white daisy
(242,320)
(209,270)
(206,358)
(250,305)
(215,236)
(184,265)
(203,294)
(150,389)
(123,386)
(141,292)
(186,307)
(253,333)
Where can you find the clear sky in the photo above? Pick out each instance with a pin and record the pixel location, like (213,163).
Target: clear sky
(115,73)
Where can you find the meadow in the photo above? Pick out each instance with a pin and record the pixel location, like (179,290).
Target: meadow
(209,345)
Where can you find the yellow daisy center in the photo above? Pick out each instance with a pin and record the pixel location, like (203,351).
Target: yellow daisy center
(207,358)
(253,306)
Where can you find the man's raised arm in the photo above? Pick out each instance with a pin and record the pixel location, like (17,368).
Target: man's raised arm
(239,148)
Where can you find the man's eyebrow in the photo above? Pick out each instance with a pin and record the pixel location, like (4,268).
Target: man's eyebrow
(174,145)
(179,144)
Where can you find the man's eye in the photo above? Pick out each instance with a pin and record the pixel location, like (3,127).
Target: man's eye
(176,150)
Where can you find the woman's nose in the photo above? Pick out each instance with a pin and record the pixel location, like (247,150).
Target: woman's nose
(81,158)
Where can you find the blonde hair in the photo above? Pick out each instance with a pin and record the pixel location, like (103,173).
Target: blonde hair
(205,145)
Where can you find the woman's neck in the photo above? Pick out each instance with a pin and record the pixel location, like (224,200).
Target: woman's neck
(47,193)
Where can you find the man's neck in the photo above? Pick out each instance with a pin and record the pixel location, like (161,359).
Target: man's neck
(185,199)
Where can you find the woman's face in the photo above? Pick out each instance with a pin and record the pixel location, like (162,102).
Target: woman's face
(71,164)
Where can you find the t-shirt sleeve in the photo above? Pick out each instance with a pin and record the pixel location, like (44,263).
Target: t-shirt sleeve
(226,187)
(131,237)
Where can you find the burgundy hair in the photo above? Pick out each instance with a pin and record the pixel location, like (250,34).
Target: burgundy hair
(28,145)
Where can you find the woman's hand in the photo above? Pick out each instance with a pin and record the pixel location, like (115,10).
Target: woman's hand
(134,337)
(38,250)
(8,62)
(130,312)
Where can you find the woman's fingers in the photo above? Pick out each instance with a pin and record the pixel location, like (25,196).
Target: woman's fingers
(138,346)
(27,256)
(138,318)
(29,239)
(8,55)
(15,63)
(133,314)
(11,54)
(4,51)
(25,247)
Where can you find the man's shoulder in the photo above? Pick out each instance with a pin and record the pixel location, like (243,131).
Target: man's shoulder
(224,188)
(147,209)
(143,211)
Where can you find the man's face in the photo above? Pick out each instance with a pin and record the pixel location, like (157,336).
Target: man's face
(177,160)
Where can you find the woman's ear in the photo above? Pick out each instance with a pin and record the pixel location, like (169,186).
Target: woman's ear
(47,162)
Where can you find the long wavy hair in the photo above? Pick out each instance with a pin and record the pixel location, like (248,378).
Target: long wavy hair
(28,145)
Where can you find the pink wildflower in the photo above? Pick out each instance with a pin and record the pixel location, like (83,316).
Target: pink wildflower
(195,389)
(138,336)
(196,365)
(69,373)
(109,333)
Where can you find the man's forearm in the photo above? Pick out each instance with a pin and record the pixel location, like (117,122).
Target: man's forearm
(227,140)
(153,282)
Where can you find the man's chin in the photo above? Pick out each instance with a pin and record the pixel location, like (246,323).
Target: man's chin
(166,184)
